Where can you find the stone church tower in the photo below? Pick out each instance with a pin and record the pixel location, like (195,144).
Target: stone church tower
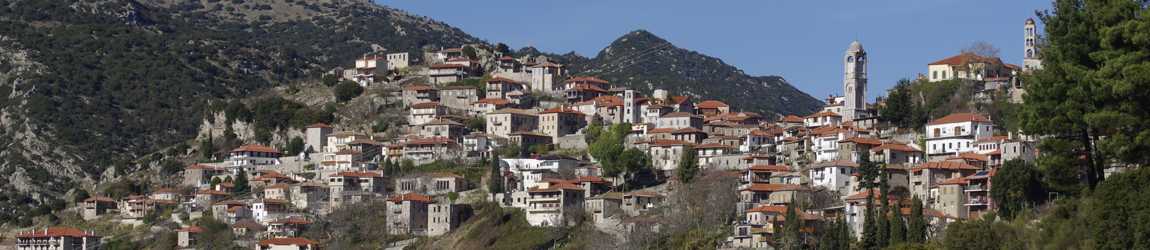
(854,82)
(1031,60)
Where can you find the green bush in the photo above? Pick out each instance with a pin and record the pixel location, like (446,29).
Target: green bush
(347,90)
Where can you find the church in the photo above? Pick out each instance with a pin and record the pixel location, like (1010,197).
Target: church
(852,106)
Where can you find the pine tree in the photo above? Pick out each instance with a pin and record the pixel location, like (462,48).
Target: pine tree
(916,232)
(897,226)
(792,237)
(870,229)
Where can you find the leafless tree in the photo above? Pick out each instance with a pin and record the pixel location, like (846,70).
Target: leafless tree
(982,48)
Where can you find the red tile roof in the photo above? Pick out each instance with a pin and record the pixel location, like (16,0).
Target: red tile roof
(425,105)
(772,187)
(712,146)
(358,174)
(414,197)
(417,87)
(970,156)
(561,110)
(191,229)
(864,140)
(954,181)
(591,179)
(53,232)
(679,99)
(792,119)
(822,114)
(712,104)
(294,220)
(966,58)
(769,168)
(256,148)
(875,194)
(947,165)
(665,143)
(287,242)
(430,141)
(768,209)
(447,66)
(587,79)
(556,186)
(494,101)
(959,117)
(608,101)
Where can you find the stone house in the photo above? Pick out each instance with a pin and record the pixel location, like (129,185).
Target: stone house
(560,121)
(503,122)
(407,214)
(419,93)
(425,112)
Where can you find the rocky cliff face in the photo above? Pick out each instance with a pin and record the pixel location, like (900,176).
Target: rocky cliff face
(644,61)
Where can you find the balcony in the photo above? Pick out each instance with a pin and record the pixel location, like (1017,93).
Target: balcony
(977,201)
(974,188)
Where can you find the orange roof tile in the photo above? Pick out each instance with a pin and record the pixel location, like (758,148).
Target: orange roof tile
(769,168)
(191,229)
(425,105)
(587,79)
(417,87)
(959,117)
(792,119)
(256,148)
(494,101)
(772,187)
(414,197)
(895,147)
(287,242)
(947,165)
(712,104)
(863,140)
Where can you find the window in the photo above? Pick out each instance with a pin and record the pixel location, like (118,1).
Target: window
(944,75)
(934,75)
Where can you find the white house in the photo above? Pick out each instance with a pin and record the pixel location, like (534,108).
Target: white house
(834,175)
(956,133)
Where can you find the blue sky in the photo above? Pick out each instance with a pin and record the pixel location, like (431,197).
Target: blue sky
(801,40)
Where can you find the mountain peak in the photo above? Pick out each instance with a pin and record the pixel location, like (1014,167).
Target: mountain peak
(639,37)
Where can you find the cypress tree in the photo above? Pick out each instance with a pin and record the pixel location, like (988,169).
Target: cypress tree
(870,230)
(792,238)
(897,226)
(881,219)
(916,232)
(241,183)
(495,182)
(844,234)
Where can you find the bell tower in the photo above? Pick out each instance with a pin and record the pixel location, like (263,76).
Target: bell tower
(1031,60)
(854,82)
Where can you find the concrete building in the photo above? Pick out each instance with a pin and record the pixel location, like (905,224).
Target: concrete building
(95,207)
(680,120)
(250,156)
(968,66)
(956,133)
(499,87)
(287,244)
(503,122)
(560,121)
(666,154)
(485,106)
(834,175)
(354,186)
(444,128)
(315,137)
(186,237)
(546,76)
(431,184)
(426,150)
(442,74)
(418,93)
(549,204)
(442,218)
(368,69)
(425,112)
(398,61)
(200,175)
(459,97)
(57,238)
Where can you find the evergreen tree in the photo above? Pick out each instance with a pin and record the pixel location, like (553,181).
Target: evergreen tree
(828,240)
(844,234)
(495,182)
(870,229)
(898,108)
(207,148)
(881,218)
(792,237)
(897,226)
(688,165)
(241,183)
(916,232)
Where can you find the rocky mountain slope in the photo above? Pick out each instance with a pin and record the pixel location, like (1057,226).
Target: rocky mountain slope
(93,85)
(644,61)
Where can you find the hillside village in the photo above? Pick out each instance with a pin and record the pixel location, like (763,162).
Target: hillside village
(483,126)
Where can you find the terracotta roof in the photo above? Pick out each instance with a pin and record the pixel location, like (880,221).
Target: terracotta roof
(590,79)
(425,105)
(286,242)
(660,130)
(494,101)
(826,130)
(970,156)
(561,110)
(679,99)
(256,148)
(792,119)
(712,145)
(895,147)
(358,174)
(447,66)
(712,104)
(608,101)
(249,224)
(959,117)
(966,58)
(586,87)
(864,140)
(768,209)
(556,187)
(772,187)
(947,165)
(678,114)
(769,168)
(410,197)
(294,220)
(53,232)
(500,79)
(686,131)
(417,87)
(191,229)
